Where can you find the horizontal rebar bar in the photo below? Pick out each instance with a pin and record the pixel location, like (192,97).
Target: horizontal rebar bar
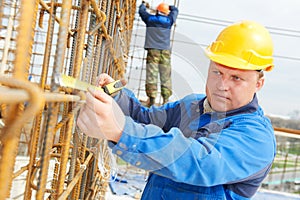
(11,96)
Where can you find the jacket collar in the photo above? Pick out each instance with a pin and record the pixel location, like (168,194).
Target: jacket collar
(248,108)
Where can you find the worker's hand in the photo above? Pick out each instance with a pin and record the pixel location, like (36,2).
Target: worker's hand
(104,79)
(146,4)
(101,117)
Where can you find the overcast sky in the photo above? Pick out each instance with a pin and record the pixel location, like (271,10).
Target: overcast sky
(201,21)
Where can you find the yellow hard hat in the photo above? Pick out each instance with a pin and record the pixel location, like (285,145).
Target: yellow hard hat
(164,8)
(244,45)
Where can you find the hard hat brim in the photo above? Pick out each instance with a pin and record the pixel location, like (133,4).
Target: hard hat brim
(234,62)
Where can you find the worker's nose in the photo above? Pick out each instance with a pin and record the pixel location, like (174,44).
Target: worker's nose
(223,83)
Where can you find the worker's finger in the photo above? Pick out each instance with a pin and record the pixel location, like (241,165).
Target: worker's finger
(100,95)
(82,125)
(82,119)
(104,79)
(86,113)
(93,103)
(90,122)
(99,102)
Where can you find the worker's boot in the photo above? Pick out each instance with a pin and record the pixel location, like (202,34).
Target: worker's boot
(151,101)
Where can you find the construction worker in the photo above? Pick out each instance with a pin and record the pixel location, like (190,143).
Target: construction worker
(214,146)
(157,44)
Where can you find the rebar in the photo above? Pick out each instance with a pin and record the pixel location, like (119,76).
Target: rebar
(36,51)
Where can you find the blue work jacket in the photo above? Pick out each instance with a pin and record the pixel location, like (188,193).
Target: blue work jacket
(158,28)
(196,155)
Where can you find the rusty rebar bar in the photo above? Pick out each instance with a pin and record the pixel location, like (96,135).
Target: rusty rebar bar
(56,108)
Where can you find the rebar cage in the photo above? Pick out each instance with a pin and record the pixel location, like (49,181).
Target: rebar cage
(39,41)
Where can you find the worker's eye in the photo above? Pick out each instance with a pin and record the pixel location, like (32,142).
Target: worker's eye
(216,72)
(236,78)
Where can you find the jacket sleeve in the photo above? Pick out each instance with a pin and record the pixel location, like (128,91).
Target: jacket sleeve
(228,156)
(132,107)
(143,13)
(173,13)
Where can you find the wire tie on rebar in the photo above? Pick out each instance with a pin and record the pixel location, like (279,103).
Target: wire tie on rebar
(94,150)
(92,32)
(83,166)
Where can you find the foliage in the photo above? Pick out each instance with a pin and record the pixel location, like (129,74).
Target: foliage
(285,123)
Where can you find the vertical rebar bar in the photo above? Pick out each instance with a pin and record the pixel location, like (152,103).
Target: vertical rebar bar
(24,44)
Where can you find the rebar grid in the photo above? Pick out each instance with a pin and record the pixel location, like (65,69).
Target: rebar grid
(35,47)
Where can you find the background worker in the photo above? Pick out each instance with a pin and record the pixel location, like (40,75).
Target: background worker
(214,146)
(157,44)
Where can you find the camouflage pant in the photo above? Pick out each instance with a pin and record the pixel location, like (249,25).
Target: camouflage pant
(158,63)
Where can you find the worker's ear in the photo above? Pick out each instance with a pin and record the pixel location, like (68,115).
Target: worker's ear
(260,83)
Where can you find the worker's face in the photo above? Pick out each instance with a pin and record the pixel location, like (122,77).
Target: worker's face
(229,88)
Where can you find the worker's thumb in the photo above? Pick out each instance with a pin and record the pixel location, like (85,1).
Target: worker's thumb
(100,95)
